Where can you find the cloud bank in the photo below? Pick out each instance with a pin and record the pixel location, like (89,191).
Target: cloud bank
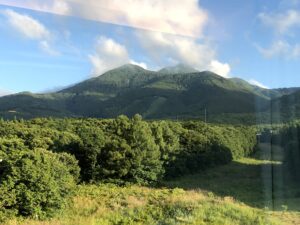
(169,29)
(163,16)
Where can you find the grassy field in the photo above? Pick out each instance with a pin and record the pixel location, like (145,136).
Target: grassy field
(238,193)
(250,180)
(109,204)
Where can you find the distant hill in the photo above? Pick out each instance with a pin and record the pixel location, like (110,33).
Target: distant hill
(173,92)
(286,107)
(286,91)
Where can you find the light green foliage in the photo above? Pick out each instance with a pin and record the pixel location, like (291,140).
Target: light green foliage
(33,183)
(109,204)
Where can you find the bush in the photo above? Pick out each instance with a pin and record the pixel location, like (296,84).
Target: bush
(34,183)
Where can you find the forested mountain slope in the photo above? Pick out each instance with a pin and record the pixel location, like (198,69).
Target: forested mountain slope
(172,92)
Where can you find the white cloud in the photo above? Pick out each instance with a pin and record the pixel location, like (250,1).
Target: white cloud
(280,49)
(5,92)
(222,69)
(183,18)
(141,64)
(32,29)
(44,45)
(281,22)
(59,7)
(257,83)
(178,49)
(51,6)
(108,55)
(284,24)
(26,25)
(170,16)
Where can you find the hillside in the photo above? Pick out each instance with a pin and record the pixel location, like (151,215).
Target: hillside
(286,107)
(172,92)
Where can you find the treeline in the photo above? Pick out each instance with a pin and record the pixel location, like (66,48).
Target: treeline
(288,136)
(41,160)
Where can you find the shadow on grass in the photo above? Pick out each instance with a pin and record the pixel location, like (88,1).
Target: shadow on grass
(257,183)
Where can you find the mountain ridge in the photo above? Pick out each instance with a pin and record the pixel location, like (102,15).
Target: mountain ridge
(168,93)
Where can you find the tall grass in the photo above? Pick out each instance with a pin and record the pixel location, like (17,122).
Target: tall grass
(110,204)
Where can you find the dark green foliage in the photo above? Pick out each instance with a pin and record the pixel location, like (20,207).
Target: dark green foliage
(292,158)
(131,153)
(167,137)
(288,136)
(131,150)
(287,107)
(34,183)
(88,151)
(203,146)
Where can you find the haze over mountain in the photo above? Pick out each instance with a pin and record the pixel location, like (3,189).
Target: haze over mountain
(172,92)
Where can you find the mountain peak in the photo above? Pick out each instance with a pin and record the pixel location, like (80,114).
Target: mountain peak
(129,66)
(179,68)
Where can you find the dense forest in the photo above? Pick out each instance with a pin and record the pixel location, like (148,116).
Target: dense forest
(288,137)
(42,160)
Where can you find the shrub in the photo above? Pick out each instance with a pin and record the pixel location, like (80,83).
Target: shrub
(34,183)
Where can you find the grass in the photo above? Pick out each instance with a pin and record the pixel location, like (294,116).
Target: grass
(237,193)
(240,179)
(250,180)
(110,204)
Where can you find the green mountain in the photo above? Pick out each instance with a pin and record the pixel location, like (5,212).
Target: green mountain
(266,93)
(286,107)
(173,92)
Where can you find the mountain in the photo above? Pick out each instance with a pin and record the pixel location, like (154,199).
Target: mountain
(179,68)
(263,92)
(173,92)
(119,79)
(286,91)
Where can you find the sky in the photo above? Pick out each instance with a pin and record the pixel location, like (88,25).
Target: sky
(49,44)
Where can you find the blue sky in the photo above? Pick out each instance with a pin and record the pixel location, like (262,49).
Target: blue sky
(45,45)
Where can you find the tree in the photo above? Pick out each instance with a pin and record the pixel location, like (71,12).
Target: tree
(131,154)
(88,151)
